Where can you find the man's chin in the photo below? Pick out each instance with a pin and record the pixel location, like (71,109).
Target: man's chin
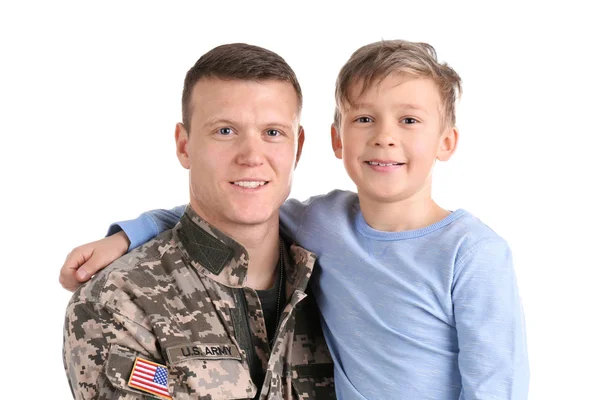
(254,217)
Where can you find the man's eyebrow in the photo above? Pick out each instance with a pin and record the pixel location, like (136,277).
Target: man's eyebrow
(218,121)
(227,122)
(279,125)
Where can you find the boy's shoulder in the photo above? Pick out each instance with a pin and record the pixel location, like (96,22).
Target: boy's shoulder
(337,199)
(469,233)
(473,228)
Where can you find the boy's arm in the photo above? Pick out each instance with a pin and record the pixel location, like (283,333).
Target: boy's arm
(492,356)
(84,261)
(147,226)
(291,214)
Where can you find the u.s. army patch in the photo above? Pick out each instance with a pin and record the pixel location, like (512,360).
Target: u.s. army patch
(203,351)
(149,377)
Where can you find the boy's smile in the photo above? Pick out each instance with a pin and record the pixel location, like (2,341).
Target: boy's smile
(391,136)
(384,165)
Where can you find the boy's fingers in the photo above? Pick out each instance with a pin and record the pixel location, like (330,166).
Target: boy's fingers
(68,277)
(66,283)
(89,268)
(77,257)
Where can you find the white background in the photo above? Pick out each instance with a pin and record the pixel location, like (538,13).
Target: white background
(90,94)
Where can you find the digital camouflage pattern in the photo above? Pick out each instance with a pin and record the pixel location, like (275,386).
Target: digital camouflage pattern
(179,300)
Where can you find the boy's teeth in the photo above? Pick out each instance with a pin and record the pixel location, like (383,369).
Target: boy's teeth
(382,164)
(250,184)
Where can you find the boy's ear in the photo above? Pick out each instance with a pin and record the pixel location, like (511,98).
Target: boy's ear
(181,142)
(300,145)
(336,142)
(448,144)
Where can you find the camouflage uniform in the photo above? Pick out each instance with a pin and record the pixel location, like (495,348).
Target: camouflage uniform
(179,300)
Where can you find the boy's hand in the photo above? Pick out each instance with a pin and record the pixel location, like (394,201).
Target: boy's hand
(84,261)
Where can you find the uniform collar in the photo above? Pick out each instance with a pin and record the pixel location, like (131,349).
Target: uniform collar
(221,258)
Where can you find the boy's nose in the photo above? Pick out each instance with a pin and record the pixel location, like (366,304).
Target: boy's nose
(384,139)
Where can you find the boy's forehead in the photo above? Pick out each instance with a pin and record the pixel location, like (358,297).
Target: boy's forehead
(362,91)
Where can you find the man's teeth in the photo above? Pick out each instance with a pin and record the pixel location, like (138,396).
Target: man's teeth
(250,184)
(382,164)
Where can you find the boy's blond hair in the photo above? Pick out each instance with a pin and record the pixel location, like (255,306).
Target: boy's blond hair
(374,62)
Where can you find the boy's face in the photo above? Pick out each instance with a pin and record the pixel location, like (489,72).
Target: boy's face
(244,141)
(391,138)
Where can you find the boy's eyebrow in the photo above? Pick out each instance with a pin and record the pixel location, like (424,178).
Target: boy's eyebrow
(408,106)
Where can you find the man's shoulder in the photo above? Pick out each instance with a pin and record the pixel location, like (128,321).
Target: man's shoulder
(145,267)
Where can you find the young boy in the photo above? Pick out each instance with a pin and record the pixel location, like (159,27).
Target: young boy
(417,302)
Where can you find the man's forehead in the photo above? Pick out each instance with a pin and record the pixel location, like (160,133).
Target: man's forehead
(228,99)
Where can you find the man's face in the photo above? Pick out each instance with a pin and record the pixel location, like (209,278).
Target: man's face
(392,137)
(244,141)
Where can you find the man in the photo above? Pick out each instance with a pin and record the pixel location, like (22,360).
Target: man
(217,307)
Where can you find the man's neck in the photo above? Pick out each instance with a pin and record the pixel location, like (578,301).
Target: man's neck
(261,242)
(415,212)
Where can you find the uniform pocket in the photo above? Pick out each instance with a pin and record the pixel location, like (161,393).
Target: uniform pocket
(117,370)
(313,381)
(214,379)
(208,370)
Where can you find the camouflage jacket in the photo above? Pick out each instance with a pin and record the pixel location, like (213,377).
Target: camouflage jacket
(179,301)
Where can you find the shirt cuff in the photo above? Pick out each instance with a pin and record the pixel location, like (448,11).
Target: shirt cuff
(138,231)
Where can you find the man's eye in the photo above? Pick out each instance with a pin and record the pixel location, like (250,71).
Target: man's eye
(409,121)
(364,120)
(273,132)
(225,131)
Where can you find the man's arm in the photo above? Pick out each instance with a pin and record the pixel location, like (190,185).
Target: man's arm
(84,261)
(492,354)
(100,346)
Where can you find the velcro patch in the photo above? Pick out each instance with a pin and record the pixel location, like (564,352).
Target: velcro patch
(150,377)
(203,351)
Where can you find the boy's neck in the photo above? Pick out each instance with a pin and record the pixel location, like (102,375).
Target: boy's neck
(415,212)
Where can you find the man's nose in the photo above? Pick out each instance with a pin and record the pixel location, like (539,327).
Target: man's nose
(251,151)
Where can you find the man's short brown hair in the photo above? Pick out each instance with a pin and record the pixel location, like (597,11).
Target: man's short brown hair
(237,61)
(374,62)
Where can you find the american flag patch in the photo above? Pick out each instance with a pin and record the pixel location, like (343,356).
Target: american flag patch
(149,377)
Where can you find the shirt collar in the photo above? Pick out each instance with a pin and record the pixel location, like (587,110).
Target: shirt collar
(221,258)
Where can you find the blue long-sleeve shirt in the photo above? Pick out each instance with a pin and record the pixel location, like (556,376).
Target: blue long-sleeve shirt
(432,313)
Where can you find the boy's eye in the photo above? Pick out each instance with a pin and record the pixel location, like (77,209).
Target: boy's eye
(364,120)
(409,121)
(273,132)
(225,131)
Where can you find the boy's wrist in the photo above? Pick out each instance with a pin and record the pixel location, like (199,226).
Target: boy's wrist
(122,241)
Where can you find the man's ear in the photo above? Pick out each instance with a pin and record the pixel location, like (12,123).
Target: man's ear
(448,144)
(181,142)
(336,142)
(300,145)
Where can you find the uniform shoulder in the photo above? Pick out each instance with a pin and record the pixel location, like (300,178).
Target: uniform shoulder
(141,268)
